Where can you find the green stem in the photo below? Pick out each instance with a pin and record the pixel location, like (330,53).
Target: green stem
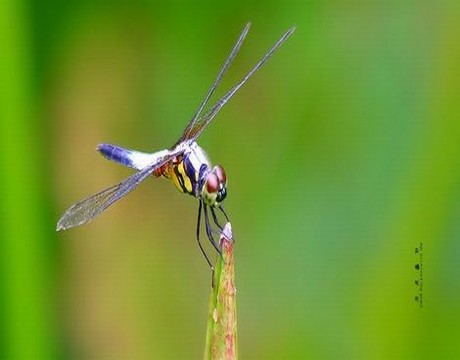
(221,339)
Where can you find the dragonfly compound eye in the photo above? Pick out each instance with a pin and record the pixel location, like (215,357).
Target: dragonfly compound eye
(212,183)
(220,172)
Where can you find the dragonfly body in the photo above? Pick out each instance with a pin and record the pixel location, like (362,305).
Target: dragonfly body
(185,164)
(188,171)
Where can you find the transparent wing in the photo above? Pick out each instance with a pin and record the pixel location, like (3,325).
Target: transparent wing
(87,209)
(222,71)
(204,121)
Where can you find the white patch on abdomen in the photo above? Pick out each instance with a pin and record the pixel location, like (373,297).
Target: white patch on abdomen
(140,159)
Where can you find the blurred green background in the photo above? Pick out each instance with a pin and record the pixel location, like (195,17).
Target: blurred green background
(342,155)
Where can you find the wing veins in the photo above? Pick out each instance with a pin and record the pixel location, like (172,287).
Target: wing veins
(87,209)
(203,122)
(216,82)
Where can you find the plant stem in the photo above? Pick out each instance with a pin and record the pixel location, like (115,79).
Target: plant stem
(221,339)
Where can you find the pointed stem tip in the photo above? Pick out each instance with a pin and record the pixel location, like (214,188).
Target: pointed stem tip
(221,337)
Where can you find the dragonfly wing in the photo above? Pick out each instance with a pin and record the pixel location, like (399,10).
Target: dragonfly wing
(204,121)
(223,70)
(87,209)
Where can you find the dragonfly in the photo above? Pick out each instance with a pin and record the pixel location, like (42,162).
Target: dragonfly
(186,164)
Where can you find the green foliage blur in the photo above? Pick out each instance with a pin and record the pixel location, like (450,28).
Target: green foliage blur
(342,155)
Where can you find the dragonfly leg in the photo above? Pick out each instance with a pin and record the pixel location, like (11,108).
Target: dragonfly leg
(198,236)
(216,221)
(223,212)
(209,230)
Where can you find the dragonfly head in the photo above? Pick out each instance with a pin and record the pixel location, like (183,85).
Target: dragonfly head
(215,186)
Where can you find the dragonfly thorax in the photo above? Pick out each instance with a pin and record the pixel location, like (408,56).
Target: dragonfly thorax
(192,173)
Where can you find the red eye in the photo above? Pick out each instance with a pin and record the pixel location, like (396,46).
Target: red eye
(220,172)
(212,183)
